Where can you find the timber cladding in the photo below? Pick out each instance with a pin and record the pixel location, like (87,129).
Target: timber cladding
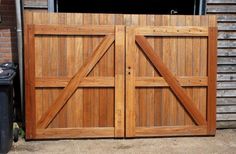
(113,75)
(225,10)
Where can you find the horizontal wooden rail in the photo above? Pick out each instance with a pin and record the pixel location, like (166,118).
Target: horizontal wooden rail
(171,130)
(72,30)
(173,31)
(54,82)
(109,82)
(75,132)
(186,81)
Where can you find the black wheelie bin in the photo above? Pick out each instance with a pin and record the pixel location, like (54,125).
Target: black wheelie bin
(7,75)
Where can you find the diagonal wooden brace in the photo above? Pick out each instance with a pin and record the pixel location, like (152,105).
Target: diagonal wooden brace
(171,80)
(73,84)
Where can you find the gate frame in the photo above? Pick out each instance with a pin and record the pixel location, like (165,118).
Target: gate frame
(122,44)
(38,130)
(137,35)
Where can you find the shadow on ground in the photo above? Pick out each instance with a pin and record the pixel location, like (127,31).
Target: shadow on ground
(223,142)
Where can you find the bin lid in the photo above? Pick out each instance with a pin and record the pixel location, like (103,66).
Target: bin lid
(6,76)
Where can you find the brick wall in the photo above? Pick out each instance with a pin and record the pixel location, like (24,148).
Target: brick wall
(8,39)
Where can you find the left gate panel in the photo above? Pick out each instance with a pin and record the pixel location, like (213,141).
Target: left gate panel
(74,84)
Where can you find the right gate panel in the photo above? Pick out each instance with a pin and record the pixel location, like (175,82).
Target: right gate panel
(170,81)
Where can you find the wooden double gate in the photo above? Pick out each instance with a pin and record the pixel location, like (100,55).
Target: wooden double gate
(90,81)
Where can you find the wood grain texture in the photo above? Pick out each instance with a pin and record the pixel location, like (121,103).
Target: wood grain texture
(171,80)
(86,82)
(73,83)
(120,82)
(181,52)
(72,30)
(130,84)
(195,50)
(172,131)
(173,30)
(57,133)
(97,100)
(30,91)
(160,82)
(212,67)
(225,13)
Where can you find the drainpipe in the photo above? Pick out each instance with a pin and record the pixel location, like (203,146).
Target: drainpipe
(19,6)
(51,7)
(202,7)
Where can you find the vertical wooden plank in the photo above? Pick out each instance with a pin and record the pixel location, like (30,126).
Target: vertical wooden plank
(173,67)
(62,55)
(119,81)
(150,72)
(158,42)
(45,91)
(188,65)
(79,62)
(181,60)
(119,19)
(166,91)
(62,48)
(130,83)
(103,92)
(87,49)
(53,65)
(28,121)
(142,72)
(38,73)
(45,40)
(71,70)
(38,69)
(110,72)
(212,71)
(203,68)
(31,83)
(93,73)
(135,21)
(196,62)
(94,101)
(127,19)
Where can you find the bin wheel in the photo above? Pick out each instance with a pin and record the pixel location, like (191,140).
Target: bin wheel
(15,134)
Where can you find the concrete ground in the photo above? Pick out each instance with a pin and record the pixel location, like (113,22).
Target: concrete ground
(224,142)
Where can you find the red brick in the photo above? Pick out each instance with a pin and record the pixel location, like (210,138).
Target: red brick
(6,57)
(7,34)
(2,44)
(5,30)
(8,2)
(8,39)
(7,7)
(5,39)
(5,50)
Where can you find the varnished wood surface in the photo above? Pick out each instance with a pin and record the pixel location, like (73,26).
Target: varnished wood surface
(98,101)
(145,70)
(226,94)
(171,80)
(71,87)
